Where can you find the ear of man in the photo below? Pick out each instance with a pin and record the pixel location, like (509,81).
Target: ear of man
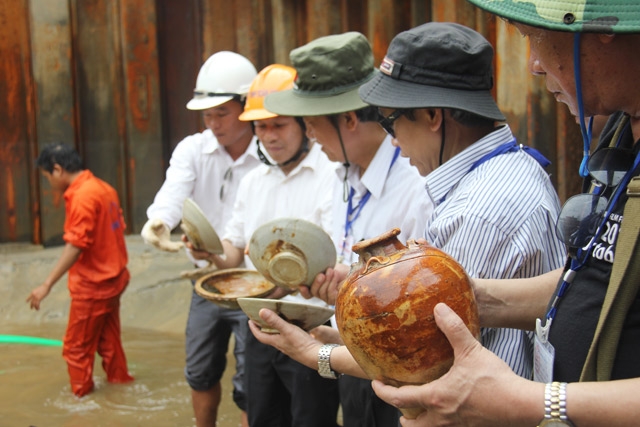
(351,120)
(432,117)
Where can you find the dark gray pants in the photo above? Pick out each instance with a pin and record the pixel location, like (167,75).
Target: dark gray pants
(362,408)
(283,393)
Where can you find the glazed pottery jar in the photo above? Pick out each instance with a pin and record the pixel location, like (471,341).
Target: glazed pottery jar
(384,310)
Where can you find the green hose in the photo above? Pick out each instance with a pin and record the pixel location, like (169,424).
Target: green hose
(21,339)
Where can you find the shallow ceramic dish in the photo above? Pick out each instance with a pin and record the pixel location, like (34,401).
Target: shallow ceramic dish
(224,287)
(306,316)
(198,230)
(291,252)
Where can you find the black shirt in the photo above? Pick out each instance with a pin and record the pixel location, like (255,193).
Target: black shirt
(578,310)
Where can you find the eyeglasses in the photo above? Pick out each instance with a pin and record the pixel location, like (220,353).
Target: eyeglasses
(582,215)
(227,177)
(387,122)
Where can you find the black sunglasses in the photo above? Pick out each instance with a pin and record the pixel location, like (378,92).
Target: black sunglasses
(581,215)
(387,122)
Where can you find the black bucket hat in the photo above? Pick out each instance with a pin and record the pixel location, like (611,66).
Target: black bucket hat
(436,65)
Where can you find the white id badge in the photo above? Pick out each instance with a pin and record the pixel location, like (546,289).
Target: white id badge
(543,353)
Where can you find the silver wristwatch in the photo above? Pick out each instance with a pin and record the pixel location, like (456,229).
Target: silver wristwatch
(324,357)
(555,406)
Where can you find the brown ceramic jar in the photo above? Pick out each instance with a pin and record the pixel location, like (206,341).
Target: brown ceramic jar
(384,310)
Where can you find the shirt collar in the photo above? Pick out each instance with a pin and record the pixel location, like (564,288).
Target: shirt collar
(444,178)
(212,145)
(250,152)
(375,176)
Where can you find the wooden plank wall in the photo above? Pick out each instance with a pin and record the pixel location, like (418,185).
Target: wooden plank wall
(112,77)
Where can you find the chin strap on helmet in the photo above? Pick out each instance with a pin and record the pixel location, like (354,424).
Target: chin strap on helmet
(346,164)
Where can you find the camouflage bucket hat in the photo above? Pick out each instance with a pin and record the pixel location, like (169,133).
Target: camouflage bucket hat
(330,71)
(583,16)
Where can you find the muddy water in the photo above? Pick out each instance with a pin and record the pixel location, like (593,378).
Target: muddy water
(34,386)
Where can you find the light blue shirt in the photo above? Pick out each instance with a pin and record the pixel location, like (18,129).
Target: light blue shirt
(498,222)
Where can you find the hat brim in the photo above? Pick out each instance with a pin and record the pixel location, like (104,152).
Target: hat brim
(206,102)
(589,16)
(293,103)
(251,115)
(384,91)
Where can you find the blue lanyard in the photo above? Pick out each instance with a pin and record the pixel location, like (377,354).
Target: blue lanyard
(509,147)
(579,261)
(353,212)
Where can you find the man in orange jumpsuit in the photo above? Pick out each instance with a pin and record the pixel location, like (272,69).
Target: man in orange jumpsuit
(95,256)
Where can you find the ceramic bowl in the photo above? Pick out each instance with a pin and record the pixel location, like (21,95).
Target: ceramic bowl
(198,230)
(224,287)
(306,316)
(291,252)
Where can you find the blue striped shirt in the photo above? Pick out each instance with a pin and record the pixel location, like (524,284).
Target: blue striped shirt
(498,221)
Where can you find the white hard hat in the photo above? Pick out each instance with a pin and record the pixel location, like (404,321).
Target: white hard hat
(224,76)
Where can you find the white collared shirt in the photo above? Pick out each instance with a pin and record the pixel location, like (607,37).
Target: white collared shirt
(266,193)
(397,200)
(197,170)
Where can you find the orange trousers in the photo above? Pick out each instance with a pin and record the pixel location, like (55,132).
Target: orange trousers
(94,326)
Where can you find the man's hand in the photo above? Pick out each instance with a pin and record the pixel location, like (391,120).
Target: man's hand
(199,254)
(326,335)
(326,285)
(37,295)
(70,255)
(479,389)
(292,340)
(155,232)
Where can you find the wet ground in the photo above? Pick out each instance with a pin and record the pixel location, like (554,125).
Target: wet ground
(34,388)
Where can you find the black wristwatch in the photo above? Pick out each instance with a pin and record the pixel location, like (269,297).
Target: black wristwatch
(555,406)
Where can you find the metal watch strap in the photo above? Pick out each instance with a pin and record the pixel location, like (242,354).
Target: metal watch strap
(555,405)
(324,357)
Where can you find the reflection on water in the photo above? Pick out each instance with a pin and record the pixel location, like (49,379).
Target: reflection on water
(35,391)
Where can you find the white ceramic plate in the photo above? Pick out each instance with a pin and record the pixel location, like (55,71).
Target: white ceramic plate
(198,230)
(224,287)
(291,252)
(306,316)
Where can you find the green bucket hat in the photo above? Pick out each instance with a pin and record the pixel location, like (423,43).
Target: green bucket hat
(330,71)
(578,16)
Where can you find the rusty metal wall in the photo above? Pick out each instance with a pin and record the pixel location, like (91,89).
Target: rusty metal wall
(112,77)
(17,133)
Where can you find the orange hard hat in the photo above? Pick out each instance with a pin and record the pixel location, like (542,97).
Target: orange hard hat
(273,78)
